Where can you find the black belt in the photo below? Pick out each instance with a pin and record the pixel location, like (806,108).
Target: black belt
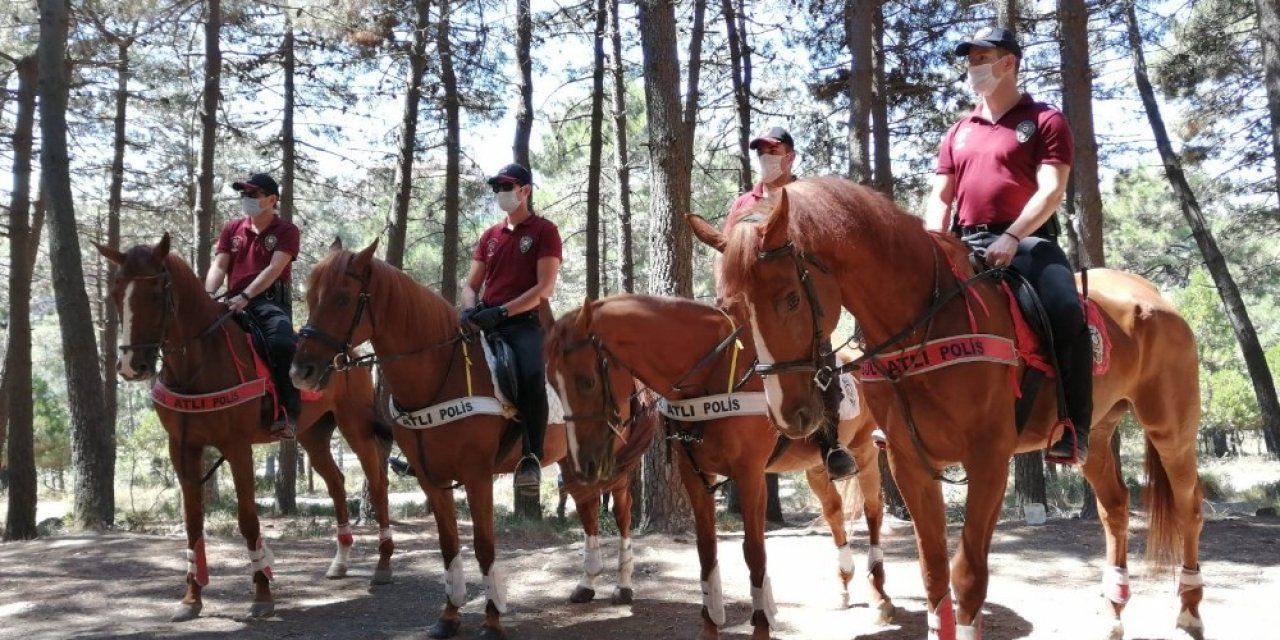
(993,227)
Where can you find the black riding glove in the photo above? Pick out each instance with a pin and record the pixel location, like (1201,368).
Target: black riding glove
(489,317)
(465,317)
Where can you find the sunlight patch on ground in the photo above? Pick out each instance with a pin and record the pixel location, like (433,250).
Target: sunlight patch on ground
(15,608)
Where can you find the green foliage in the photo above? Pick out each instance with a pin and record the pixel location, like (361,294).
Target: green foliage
(52,428)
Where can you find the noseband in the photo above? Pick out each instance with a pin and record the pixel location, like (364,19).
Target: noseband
(342,348)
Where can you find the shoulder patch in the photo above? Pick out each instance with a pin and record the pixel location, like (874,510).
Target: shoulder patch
(526,243)
(269,242)
(1025,130)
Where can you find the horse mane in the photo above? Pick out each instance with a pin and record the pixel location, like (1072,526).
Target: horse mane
(417,310)
(822,211)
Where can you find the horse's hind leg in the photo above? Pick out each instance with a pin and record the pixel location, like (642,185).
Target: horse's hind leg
(868,457)
(587,502)
(624,593)
(314,439)
(704,521)
(240,460)
(833,512)
(1103,473)
(187,464)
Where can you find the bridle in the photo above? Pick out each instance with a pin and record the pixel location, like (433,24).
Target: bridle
(342,360)
(166,321)
(822,373)
(610,409)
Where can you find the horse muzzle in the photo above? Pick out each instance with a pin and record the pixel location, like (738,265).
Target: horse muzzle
(309,377)
(137,364)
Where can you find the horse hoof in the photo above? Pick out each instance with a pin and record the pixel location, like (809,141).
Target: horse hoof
(582,595)
(492,633)
(381,576)
(336,571)
(845,600)
(884,613)
(186,612)
(623,595)
(444,629)
(262,609)
(1117,631)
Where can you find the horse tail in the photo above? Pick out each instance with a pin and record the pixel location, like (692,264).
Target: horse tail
(1162,530)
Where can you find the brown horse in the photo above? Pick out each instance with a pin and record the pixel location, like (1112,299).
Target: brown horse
(207,363)
(448,422)
(829,242)
(671,346)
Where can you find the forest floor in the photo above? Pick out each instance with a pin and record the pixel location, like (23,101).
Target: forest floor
(1044,584)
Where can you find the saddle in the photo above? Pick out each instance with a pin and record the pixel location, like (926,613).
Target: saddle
(263,364)
(502,362)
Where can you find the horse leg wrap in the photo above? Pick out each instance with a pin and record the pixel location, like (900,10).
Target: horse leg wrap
(762,600)
(844,555)
(713,597)
(1115,584)
(942,620)
(260,559)
(626,563)
(384,534)
(970,631)
(495,588)
(455,585)
(875,558)
(345,539)
(592,563)
(1190,580)
(197,567)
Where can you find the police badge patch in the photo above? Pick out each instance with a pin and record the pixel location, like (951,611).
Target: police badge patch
(237,243)
(526,243)
(1025,130)
(269,242)
(491,248)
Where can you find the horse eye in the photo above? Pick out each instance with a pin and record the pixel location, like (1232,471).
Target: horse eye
(793,301)
(342,300)
(586,383)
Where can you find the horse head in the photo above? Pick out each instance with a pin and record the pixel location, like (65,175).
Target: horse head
(339,316)
(143,297)
(593,390)
(792,303)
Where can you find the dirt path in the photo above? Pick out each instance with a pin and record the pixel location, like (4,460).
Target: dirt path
(1044,585)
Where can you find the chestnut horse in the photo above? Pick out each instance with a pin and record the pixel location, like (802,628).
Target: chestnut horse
(416,338)
(829,242)
(166,314)
(683,350)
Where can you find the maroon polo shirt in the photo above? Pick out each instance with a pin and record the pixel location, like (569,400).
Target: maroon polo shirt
(511,257)
(251,251)
(995,164)
(744,203)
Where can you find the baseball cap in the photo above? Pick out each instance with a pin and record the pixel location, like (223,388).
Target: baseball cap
(512,174)
(774,135)
(258,182)
(991,37)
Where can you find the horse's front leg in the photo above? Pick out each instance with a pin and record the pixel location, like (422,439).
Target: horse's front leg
(969,571)
(833,512)
(704,521)
(624,593)
(455,583)
(752,495)
(480,499)
(186,462)
(240,459)
(587,502)
(923,497)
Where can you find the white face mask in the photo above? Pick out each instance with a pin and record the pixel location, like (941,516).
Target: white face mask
(250,206)
(770,168)
(508,201)
(982,80)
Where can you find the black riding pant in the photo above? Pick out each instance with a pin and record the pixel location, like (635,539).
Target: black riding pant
(523,332)
(828,436)
(1043,263)
(277,329)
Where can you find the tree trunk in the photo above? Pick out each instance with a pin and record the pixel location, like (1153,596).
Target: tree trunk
(20,523)
(524,60)
(92,439)
(111,319)
(621,151)
(772,502)
(399,225)
(893,502)
(1028,478)
(1269,29)
(597,146)
(740,61)
(1254,357)
(1077,106)
(453,156)
(670,162)
(1007,14)
(208,135)
(287,483)
(857,22)
(883,176)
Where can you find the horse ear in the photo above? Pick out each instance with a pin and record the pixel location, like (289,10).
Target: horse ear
(584,315)
(708,234)
(336,245)
(110,254)
(365,256)
(773,232)
(161,251)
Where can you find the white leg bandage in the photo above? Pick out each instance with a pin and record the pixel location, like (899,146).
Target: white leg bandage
(592,563)
(762,600)
(967,632)
(626,563)
(345,539)
(1190,580)
(384,534)
(197,567)
(875,558)
(845,558)
(495,588)
(713,597)
(455,585)
(260,559)
(1115,584)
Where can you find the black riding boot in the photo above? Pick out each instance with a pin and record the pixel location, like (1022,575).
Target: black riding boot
(840,464)
(1076,366)
(285,426)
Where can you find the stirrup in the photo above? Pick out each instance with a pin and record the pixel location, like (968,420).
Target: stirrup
(1056,453)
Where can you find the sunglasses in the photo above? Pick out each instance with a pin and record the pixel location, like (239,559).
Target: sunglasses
(251,194)
(503,186)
